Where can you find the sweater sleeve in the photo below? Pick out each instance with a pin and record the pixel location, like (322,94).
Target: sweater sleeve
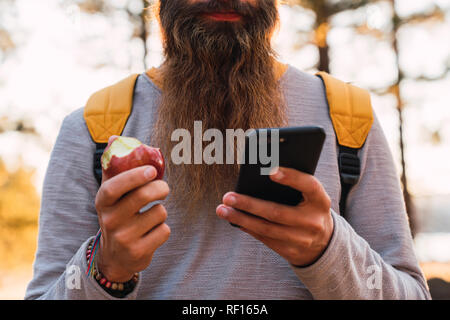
(370,255)
(68,219)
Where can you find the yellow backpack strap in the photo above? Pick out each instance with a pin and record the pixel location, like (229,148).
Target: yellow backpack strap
(107,110)
(106,114)
(352,117)
(350,111)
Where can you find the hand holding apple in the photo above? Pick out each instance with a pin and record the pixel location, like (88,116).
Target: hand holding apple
(131,180)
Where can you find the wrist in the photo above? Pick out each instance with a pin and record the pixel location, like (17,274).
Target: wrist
(112,273)
(117,288)
(321,247)
(115,276)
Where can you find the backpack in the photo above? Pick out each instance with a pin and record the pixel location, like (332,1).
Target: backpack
(350,109)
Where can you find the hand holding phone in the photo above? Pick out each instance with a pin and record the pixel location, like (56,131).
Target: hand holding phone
(297,230)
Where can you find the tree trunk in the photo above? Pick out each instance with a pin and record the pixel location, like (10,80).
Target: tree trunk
(410,209)
(145,30)
(324,59)
(321,37)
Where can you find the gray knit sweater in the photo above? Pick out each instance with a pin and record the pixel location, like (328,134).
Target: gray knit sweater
(370,255)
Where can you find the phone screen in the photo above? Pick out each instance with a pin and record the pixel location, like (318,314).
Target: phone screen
(292,147)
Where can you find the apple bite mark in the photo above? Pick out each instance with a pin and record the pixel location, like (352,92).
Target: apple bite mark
(120,147)
(125,153)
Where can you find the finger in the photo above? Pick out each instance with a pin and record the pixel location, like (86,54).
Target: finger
(144,222)
(155,238)
(268,210)
(310,187)
(257,225)
(140,197)
(113,189)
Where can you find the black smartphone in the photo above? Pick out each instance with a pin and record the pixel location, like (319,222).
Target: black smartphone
(297,147)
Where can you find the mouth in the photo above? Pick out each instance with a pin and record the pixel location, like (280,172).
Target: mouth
(223,16)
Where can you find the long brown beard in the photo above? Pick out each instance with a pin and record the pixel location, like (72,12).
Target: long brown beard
(220,73)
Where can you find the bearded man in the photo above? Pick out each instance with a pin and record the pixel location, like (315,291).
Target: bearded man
(220,68)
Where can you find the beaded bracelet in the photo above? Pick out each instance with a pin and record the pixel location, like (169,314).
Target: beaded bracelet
(116,289)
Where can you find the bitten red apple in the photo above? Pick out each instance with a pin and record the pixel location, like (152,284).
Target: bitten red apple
(125,153)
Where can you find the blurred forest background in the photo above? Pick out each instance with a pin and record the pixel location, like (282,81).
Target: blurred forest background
(55,53)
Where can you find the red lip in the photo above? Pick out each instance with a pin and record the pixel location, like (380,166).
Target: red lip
(224,16)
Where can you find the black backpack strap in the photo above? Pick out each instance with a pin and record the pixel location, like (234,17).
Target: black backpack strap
(99,148)
(349,171)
